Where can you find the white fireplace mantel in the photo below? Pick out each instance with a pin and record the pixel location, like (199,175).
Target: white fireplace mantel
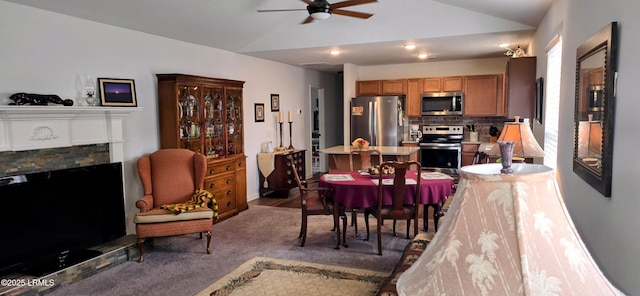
(39,127)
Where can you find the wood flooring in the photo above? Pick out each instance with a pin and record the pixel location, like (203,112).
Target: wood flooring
(293,201)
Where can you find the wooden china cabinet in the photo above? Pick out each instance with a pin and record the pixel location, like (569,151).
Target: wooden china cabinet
(205,115)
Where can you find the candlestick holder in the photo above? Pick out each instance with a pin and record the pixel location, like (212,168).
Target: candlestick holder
(290,133)
(282,147)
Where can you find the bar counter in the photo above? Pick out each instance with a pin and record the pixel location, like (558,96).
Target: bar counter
(339,155)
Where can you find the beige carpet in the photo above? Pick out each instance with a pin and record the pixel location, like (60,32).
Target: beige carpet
(269,276)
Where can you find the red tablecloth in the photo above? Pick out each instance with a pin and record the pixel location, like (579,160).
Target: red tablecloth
(362,192)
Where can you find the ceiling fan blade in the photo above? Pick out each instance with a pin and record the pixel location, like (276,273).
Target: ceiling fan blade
(272,10)
(351,3)
(361,15)
(307,20)
(309,2)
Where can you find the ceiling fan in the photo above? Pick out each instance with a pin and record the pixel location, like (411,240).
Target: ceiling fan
(321,9)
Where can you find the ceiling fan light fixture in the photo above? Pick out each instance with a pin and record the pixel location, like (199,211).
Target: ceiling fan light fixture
(423,56)
(409,46)
(320,16)
(321,10)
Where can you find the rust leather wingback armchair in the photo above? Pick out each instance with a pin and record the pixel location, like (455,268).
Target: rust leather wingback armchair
(171,176)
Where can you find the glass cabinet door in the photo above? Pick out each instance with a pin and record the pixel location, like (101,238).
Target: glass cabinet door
(189,108)
(213,118)
(234,121)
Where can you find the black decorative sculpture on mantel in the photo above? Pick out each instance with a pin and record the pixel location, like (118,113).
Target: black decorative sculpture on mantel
(37,99)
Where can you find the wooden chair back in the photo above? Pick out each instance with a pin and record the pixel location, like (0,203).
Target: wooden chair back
(396,209)
(314,201)
(399,209)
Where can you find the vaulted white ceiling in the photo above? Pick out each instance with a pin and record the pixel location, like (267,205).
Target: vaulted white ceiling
(444,29)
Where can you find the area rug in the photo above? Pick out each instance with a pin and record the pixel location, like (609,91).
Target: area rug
(269,276)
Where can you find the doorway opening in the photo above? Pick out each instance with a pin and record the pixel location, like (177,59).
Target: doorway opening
(315,131)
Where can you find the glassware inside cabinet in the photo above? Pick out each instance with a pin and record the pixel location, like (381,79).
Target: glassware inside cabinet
(234,108)
(213,120)
(188,108)
(208,107)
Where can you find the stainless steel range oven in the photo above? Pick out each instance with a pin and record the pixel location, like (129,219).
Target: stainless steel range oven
(440,148)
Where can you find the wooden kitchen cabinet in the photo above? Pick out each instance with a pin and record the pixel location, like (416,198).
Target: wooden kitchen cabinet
(369,88)
(433,84)
(483,95)
(414,98)
(520,87)
(469,151)
(394,87)
(452,84)
(592,86)
(381,87)
(442,84)
(281,180)
(205,115)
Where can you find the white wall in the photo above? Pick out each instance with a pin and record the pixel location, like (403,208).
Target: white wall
(434,69)
(608,226)
(45,52)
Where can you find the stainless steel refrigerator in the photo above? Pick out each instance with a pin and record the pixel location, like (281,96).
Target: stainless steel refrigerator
(378,119)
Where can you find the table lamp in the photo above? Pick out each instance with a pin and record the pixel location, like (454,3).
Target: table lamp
(516,139)
(590,139)
(506,234)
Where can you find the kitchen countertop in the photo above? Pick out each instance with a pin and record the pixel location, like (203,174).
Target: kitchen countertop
(385,150)
(410,142)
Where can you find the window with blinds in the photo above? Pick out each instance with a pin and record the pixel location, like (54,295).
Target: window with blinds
(552,102)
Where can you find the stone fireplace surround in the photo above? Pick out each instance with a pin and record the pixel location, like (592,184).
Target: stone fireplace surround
(43,138)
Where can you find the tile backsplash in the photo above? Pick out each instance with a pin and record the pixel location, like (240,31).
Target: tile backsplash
(32,161)
(482,124)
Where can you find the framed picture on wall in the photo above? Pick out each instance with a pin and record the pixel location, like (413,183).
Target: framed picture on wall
(259,112)
(117,92)
(539,100)
(275,102)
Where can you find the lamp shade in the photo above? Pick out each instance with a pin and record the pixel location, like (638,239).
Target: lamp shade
(506,234)
(519,132)
(590,139)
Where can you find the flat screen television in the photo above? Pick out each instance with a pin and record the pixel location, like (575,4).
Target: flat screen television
(51,219)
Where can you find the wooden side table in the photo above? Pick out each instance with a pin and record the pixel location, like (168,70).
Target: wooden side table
(281,180)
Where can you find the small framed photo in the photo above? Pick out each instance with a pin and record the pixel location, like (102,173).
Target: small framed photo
(117,92)
(259,112)
(275,102)
(539,99)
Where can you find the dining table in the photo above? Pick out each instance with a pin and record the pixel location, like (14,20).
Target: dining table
(359,189)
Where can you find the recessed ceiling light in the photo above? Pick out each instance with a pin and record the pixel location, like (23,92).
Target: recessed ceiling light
(409,46)
(334,52)
(423,56)
(503,45)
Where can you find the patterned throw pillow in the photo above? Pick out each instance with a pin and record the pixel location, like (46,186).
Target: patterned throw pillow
(198,200)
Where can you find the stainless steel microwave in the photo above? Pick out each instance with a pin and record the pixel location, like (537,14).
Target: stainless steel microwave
(442,103)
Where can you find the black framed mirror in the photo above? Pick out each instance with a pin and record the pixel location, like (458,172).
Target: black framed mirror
(594,114)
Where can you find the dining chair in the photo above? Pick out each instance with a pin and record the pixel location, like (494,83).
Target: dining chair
(316,201)
(365,157)
(398,209)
